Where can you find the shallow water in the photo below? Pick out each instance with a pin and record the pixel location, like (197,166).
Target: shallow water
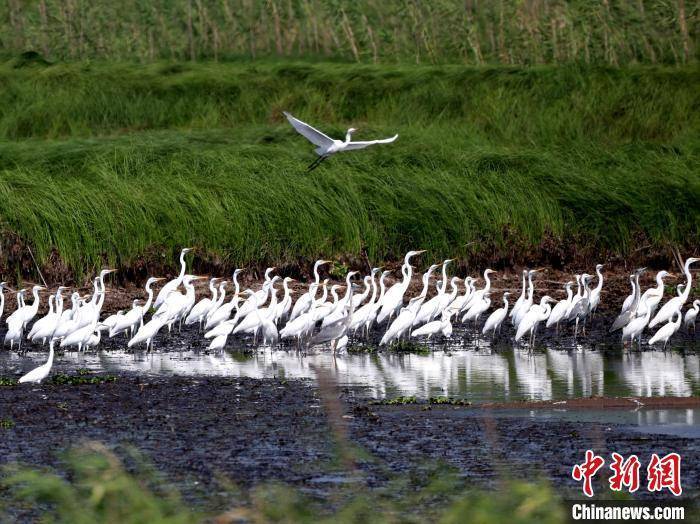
(478,374)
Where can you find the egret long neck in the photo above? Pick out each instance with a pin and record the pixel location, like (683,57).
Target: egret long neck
(600,280)
(487,287)
(149,300)
(689,282)
(183,267)
(444,279)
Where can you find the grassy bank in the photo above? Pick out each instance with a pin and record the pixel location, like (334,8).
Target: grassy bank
(114,163)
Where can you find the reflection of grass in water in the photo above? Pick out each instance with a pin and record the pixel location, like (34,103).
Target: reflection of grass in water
(100,489)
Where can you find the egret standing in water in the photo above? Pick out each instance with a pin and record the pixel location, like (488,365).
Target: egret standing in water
(38,374)
(328,146)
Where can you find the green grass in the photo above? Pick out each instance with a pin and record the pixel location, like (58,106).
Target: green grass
(117,164)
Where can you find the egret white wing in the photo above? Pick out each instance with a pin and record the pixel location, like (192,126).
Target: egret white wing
(367,143)
(312,134)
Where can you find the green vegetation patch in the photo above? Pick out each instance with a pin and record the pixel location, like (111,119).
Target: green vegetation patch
(81,379)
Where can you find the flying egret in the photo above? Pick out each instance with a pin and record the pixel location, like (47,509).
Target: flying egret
(326,146)
(38,374)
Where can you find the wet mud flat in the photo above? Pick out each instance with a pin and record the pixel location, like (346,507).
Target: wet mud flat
(197,431)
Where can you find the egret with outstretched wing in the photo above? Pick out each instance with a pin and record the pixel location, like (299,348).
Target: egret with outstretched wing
(326,146)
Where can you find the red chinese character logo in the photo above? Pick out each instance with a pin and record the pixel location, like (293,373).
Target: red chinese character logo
(625,473)
(665,473)
(587,470)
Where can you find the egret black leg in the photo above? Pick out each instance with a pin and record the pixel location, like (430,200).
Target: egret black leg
(316,163)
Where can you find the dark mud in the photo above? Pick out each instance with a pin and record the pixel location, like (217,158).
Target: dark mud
(198,430)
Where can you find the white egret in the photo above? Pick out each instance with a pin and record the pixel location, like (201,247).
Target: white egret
(666,331)
(653,296)
(374,311)
(337,330)
(527,303)
(44,327)
(223,312)
(202,308)
(393,298)
(595,292)
(3,285)
(284,306)
(560,310)
(444,326)
(628,314)
(303,303)
(431,308)
(518,303)
(36,375)
(148,331)
(480,301)
(535,315)
(581,309)
(633,329)
(176,305)
(130,322)
(19,319)
(495,320)
(403,322)
(361,315)
(174,283)
(691,315)
(339,309)
(326,146)
(669,308)
(460,303)
(109,322)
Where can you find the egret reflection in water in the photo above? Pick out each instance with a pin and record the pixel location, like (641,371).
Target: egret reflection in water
(482,374)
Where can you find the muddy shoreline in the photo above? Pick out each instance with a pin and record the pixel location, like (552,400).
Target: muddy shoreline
(249,431)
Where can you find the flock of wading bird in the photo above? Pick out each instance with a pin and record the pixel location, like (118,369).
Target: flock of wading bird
(315,319)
